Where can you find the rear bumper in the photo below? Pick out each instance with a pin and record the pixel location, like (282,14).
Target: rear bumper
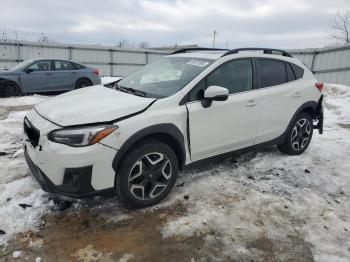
(81,189)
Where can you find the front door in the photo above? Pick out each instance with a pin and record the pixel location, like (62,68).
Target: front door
(37,77)
(225,125)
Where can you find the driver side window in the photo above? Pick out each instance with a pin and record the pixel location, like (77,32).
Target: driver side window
(236,76)
(40,66)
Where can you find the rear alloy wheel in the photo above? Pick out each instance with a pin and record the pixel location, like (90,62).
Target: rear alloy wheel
(81,83)
(9,88)
(147,174)
(299,136)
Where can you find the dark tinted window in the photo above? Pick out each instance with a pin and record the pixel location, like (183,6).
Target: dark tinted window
(272,72)
(63,65)
(236,76)
(298,71)
(290,74)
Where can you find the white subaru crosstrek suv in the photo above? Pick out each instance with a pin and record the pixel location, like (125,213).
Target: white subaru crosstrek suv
(134,138)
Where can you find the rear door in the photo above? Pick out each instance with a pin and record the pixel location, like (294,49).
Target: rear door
(38,77)
(225,125)
(64,76)
(280,97)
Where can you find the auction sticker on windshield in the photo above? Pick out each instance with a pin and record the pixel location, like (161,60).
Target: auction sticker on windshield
(198,63)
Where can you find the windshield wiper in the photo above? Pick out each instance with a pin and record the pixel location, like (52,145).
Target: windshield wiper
(131,90)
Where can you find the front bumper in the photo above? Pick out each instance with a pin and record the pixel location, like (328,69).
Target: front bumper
(76,172)
(83,189)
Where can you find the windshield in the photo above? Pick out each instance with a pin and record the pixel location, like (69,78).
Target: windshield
(22,65)
(166,76)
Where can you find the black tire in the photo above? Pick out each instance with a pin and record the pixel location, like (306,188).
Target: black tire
(82,82)
(9,88)
(129,181)
(298,136)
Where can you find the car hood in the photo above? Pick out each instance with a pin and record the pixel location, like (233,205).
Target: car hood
(8,72)
(91,105)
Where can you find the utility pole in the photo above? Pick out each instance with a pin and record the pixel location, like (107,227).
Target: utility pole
(215,33)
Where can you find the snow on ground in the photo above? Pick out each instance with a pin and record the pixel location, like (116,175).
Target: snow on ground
(288,201)
(22,100)
(16,186)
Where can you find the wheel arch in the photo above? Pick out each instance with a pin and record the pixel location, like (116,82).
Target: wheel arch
(82,78)
(309,107)
(14,81)
(166,133)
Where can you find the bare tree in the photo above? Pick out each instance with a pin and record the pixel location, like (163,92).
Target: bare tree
(341,25)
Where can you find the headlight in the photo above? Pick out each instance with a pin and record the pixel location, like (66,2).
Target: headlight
(83,136)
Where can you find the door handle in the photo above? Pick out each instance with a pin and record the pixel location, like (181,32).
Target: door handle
(251,103)
(73,73)
(296,95)
(48,74)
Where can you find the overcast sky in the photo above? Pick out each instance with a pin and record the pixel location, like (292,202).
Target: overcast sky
(273,23)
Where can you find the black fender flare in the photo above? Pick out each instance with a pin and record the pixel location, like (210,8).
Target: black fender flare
(303,108)
(166,129)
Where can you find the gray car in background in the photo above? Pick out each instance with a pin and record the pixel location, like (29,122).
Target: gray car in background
(46,75)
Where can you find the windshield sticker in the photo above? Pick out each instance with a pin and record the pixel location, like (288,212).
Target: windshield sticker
(198,63)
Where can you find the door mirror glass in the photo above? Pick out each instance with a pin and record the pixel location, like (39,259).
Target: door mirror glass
(214,93)
(29,70)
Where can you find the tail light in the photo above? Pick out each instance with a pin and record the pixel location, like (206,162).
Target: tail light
(96,71)
(319,86)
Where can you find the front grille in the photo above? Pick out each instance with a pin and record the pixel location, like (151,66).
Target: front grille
(31,132)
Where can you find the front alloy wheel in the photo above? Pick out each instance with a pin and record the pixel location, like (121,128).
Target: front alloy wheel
(150,176)
(146,174)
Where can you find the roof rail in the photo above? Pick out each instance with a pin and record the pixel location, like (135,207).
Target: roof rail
(265,50)
(185,50)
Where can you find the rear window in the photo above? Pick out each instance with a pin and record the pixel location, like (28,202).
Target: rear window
(271,72)
(298,71)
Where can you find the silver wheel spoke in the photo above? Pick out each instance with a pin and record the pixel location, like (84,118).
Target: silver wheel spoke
(164,173)
(152,193)
(304,142)
(294,133)
(154,161)
(138,187)
(138,165)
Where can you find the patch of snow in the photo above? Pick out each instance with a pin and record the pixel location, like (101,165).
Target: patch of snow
(17,254)
(126,257)
(22,100)
(16,187)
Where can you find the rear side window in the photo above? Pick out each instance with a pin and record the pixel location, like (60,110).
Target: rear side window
(290,74)
(77,67)
(63,65)
(271,72)
(298,71)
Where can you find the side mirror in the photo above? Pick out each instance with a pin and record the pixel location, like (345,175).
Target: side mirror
(28,71)
(214,93)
